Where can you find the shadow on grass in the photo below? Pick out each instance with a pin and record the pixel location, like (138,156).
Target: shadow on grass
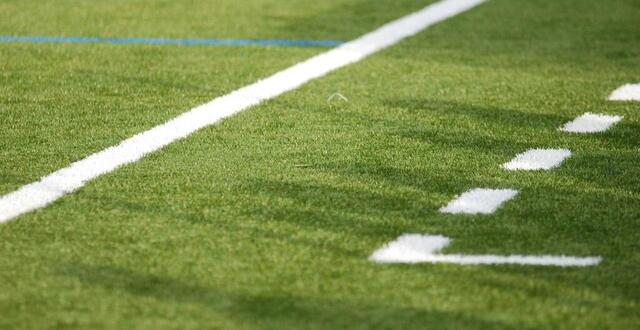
(505,120)
(491,115)
(613,280)
(610,170)
(599,222)
(478,129)
(327,207)
(271,310)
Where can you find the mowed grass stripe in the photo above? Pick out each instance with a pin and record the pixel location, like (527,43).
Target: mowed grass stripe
(71,178)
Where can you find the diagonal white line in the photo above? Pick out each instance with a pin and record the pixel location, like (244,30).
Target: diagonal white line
(66,180)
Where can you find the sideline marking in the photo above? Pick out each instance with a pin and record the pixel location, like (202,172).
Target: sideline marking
(416,248)
(64,181)
(478,200)
(628,92)
(171,41)
(537,159)
(590,123)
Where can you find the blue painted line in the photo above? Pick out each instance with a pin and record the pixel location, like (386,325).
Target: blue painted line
(169,41)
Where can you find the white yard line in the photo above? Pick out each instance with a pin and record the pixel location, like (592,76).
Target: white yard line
(66,180)
(416,248)
(628,92)
(590,123)
(478,200)
(538,159)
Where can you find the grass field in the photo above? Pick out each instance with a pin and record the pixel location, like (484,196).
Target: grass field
(267,219)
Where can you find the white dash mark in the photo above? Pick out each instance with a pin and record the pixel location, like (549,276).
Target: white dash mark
(628,92)
(416,248)
(538,159)
(590,123)
(64,181)
(479,200)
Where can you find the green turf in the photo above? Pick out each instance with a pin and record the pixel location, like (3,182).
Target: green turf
(269,19)
(267,219)
(64,101)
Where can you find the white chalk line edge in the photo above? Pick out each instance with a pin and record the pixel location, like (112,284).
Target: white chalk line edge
(537,159)
(417,248)
(628,92)
(479,201)
(64,181)
(591,123)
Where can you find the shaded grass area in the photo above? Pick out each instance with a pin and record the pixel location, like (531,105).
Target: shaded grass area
(266,220)
(263,310)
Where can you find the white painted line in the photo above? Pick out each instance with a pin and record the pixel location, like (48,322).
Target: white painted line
(590,123)
(628,92)
(71,178)
(478,200)
(416,248)
(538,159)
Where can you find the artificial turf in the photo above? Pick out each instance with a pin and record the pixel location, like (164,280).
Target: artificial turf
(267,219)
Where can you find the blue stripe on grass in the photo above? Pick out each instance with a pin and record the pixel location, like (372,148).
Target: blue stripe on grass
(169,41)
